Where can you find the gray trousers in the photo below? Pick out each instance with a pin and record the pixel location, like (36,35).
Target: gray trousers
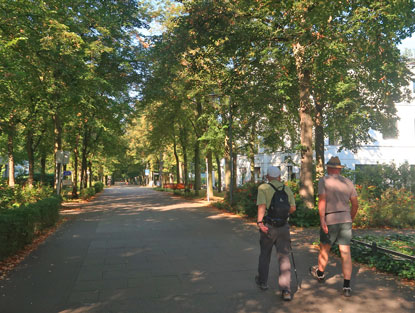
(280,238)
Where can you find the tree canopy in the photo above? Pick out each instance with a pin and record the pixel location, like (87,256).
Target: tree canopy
(221,78)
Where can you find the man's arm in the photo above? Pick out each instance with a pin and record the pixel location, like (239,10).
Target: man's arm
(355,207)
(261,213)
(322,212)
(292,209)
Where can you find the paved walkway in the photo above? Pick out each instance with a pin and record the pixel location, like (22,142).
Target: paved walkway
(137,250)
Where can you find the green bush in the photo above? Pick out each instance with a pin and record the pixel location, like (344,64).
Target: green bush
(304,217)
(380,177)
(98,186)
(18,196)
(47,179)
(394,208)
(18,225)
(87,193)
(222,205)
(244,199)
(46,211)
(17,228)
(6,195)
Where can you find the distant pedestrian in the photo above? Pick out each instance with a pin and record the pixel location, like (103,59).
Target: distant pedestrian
(335,194)
(274,232)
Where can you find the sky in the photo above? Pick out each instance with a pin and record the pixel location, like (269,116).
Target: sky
(408,43)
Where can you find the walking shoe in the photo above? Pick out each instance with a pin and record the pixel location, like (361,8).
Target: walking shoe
(313,272)
(262,286)
(286,295)
(347,291)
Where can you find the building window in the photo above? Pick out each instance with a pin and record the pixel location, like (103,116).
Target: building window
(413,86)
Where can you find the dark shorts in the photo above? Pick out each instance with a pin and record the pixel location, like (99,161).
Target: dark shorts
(338,233)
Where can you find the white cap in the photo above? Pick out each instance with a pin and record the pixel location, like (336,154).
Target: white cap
(273,171)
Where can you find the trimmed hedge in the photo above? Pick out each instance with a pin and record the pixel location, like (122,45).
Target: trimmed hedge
(18,226)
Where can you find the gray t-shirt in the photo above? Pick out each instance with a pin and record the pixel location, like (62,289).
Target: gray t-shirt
(338,191)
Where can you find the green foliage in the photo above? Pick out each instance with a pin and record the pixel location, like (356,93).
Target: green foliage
(87,193)
(98,186)
(394,208)
(244,200)
(404,244)
(18,196)
(6,195)
(19,225)
(46,212)
(377,178)
(305,217)
(222,205)
(47,179)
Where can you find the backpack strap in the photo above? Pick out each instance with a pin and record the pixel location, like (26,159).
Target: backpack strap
(275,188)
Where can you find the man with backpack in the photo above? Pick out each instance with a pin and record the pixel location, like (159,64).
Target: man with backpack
(275,202)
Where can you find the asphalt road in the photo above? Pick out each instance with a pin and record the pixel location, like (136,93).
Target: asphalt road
(133,249)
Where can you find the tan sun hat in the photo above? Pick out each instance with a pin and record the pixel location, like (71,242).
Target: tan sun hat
(334,162)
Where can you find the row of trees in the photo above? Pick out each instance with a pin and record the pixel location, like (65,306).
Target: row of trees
(68,72)
(285,74)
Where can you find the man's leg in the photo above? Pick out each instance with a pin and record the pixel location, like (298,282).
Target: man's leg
(346,261)
(323,256)
(283,247)
(266,243)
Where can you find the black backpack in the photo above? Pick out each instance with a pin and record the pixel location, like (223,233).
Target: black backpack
(279,209)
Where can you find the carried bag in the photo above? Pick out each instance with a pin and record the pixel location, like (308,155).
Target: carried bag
(278,211)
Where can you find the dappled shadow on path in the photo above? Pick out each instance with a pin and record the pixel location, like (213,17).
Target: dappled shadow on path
(155,253)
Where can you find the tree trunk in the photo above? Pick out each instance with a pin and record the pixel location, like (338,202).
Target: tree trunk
(30,158)
(75,175)
(10,152)
(161,169)
(306,128)
(183,141)
(251,157)
(198,178)
(186,173)
(209,170)
(235,170)
(319,141)
(43,166)
(231,154)
(176,156)
(227,165)
(84,160)
(101,177)
(84,176)
(219,173)
(90,173)
(58,145)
